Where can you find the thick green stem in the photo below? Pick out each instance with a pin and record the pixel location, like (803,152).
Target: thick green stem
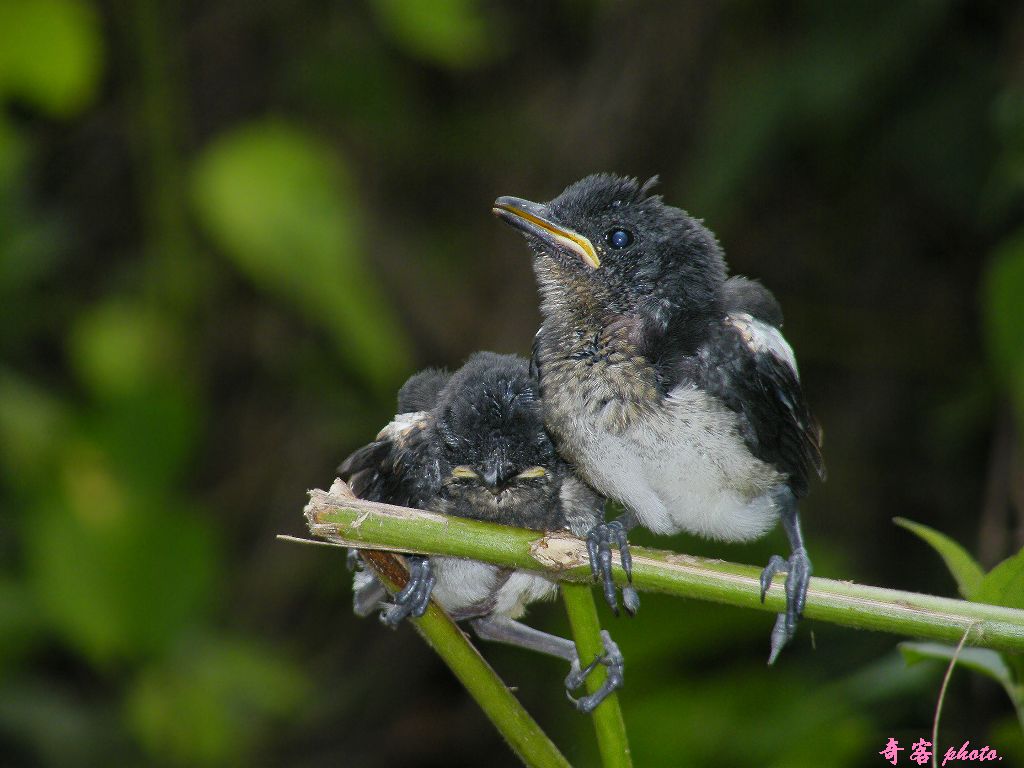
(586,630)
(520,730)
(365,524)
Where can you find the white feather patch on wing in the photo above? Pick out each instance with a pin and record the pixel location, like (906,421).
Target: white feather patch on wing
(762,338)
(400,426)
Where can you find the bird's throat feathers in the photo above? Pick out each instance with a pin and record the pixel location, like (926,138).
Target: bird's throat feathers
(588,323)
(580,339)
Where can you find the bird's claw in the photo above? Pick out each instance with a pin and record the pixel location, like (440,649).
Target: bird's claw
(600,539)
(414,597)
(612,660)
(798,576)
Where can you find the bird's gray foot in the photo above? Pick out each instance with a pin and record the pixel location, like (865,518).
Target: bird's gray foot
(600,540)
(612,660)
(798,576)
(415,595)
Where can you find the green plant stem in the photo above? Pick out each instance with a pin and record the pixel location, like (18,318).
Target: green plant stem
(521,731)
(365,524)
(586,631)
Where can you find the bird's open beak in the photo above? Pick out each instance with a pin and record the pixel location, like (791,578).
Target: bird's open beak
(534,219)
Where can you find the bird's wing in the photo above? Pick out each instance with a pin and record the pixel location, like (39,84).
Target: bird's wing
(743,295)
(398,467)
(749,366)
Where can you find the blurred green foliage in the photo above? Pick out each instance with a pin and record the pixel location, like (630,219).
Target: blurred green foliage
(818,88)
(1003,300)
(283,207)
(205,705)
(51,53)
(118,565)
(452,33)
(1002,585)
(228,231)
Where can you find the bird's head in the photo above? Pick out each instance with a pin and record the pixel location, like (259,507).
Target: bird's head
(492,440)
(607,248)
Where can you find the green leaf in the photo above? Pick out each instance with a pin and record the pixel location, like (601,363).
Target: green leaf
(1004,584)
(120,347)
(965,570)
(283,208)
(131,358)
(117,577)
(150,437)
(210,704)
(452,33)
(1004,314)
(51,53)
(983,660)
(32,424)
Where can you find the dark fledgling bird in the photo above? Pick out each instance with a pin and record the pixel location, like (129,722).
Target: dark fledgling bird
(473,444)
(667,385)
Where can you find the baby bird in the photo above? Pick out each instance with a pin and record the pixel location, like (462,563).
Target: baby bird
(669,387)
(473,444)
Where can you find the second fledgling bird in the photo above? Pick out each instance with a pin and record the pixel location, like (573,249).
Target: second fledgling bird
(668,386)
(473,444)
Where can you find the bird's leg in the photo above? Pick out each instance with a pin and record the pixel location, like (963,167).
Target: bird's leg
(797,570)
(501,629)
(414,597)
(504,630)
(600,540)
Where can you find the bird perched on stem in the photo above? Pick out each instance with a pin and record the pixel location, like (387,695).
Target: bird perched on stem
(473,444)
(667,385)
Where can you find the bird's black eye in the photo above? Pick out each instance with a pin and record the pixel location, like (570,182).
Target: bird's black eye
(619,238)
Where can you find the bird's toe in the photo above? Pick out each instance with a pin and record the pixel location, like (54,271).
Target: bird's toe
(798,576)
(414,598)
(614,664)
(600,541)
(776,565)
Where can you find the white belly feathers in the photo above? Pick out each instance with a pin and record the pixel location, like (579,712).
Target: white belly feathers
(680,467)
(466,585)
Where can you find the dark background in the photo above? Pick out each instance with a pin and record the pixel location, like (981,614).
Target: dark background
(229,230)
